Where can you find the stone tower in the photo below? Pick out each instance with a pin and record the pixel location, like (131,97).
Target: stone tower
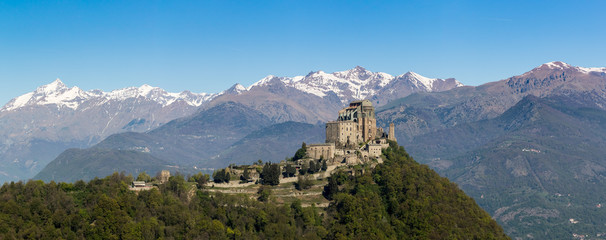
(392,133)
(355,124)
(164,176)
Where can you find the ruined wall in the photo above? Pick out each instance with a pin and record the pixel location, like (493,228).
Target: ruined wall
(316,151)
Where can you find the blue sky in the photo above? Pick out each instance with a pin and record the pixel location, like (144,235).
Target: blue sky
(207,46)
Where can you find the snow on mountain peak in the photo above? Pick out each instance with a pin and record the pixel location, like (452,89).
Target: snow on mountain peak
(355,73)
(235,89)
(592,69)
(356,83)
(54,86)
(419,80)
(259,83)
(53,93)
(556,65)
(62,96)
(239,87)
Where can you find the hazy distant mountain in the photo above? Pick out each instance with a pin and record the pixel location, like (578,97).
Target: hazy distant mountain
(190,141)
(37,126)
(186,153)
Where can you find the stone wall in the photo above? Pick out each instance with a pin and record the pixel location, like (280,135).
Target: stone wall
(341,131)
(316,151)
(374,150)
(369,128)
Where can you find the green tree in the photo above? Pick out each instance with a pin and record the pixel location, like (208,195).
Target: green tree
(264,192)
(312,167)
(399,199)
(270,174)
(304,167)
(221,176)
(200,178)
(301,153)
(331,188)
(289,171)
(143,177)
(176,184)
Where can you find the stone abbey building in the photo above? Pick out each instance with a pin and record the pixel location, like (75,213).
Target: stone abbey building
(354,136)
(354,125)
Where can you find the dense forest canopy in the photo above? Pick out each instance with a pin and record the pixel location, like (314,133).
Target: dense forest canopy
(399,199)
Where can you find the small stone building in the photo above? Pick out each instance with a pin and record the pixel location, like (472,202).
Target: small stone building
(374,150)
(138,184)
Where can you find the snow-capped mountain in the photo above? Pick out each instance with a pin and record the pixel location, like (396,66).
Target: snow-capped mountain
(559,77)
(235,89)
(291,98)
(56,93)
(344,86)
(359,83)
(37,126)
(559,66)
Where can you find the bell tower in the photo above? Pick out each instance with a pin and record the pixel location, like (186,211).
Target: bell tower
(392,133)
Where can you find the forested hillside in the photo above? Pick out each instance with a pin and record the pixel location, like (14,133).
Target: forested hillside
(399,199)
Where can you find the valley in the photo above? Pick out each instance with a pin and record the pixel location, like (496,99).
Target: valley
(527,148)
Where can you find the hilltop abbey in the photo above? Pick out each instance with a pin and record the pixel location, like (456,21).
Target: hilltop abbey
(354,136)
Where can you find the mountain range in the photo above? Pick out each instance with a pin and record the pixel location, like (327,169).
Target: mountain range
(528,148)
(39,125)
(36,127)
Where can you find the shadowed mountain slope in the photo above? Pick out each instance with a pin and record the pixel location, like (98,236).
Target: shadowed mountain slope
(227,133)
(533,168)
(421,113)
(272,143)
(85,164)
(196,139)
